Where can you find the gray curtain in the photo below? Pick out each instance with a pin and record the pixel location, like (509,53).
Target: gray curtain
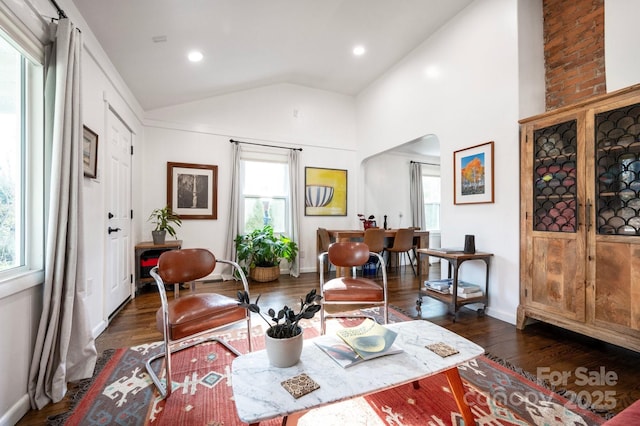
(64,349)
(417,195)
(294,192)
(233,227)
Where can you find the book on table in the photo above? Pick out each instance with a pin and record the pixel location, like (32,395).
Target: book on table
(352,345)
(441,286)
(470,295)
(465,287)
(445,286)
(447,250)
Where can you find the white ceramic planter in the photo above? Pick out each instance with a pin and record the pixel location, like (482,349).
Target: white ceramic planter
(284,352)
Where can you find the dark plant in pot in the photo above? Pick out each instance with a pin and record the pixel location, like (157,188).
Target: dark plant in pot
(283,339)
(262,249)
(164,219)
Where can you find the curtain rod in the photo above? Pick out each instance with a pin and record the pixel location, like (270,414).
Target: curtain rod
(61,13)
(428,164)
(262,144)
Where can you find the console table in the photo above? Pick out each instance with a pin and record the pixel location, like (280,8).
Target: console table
(455,259)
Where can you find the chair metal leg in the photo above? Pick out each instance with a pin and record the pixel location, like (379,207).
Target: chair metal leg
(165,390)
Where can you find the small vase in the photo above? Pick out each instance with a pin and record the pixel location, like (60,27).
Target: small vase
(284,352)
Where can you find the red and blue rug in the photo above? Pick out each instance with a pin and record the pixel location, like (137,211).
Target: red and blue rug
(121,393)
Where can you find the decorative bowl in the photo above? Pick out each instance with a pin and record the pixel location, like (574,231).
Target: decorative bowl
(318,195)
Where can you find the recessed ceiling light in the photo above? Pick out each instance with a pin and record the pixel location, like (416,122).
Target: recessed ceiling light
(432,71)
(359,50)
(195,56)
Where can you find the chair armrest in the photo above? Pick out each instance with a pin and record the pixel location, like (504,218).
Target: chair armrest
(237,267)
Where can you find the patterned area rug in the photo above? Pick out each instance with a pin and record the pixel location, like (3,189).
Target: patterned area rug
(122,393)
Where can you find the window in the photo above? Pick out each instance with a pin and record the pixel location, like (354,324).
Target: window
(431,193)
(21,162)
(265,191)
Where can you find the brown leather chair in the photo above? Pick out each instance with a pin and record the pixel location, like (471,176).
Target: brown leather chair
(402,243)
(193,315)
(374,239)
(352,289)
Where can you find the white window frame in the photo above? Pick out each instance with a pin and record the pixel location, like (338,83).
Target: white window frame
(427,173)
(31,273)
(258,155)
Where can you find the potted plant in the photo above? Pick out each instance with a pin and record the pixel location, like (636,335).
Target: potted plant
(283,339)
(260,252)
(164,219)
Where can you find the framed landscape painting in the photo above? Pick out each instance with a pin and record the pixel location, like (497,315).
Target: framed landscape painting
(473,174)
(325,192)
(192,190)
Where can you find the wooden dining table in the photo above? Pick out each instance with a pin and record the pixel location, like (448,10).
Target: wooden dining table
(421,240)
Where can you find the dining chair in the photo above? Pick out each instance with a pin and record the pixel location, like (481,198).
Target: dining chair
(374,239)
(187,320)
(350,290)
(402,244)
(414,246)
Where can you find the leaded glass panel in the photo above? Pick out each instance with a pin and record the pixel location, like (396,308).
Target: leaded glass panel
(554,174)
(617,138)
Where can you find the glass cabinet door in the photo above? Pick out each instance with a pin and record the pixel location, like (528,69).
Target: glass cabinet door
(617,143)
(554,177)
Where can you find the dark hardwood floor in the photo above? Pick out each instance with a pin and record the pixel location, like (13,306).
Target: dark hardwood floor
(539,348)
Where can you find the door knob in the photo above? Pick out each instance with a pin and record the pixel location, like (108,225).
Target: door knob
(110,215)
(110,230)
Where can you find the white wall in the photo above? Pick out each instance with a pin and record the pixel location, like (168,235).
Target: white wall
(386,188)
(622,63)
(199,132)
(20,310)
(450,88)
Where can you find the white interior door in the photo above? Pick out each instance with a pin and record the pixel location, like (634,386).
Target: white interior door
(118,275)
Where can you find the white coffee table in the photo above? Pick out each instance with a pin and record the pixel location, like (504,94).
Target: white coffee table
(259,396)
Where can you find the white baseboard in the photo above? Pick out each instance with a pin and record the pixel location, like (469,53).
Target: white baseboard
(16,411)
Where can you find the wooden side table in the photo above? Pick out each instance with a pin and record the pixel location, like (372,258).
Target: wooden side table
(455,259)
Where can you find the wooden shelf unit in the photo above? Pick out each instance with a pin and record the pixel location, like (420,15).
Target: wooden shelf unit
(455,260)
(146,250)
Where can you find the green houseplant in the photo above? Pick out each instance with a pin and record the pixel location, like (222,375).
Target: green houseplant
(283,339)
(164,219)
(260,252)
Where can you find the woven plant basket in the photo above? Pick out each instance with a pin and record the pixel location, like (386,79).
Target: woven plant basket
(263,275)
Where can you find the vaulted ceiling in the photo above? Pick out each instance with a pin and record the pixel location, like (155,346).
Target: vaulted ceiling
(252,43)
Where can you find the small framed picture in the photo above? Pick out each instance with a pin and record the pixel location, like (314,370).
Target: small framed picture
(90,152)
(473,174)
(192,190)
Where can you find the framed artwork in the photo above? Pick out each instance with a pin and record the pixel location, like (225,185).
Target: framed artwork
(473,174)
(89,152)
(192,190)
(325,192)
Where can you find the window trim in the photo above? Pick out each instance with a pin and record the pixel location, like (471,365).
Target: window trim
(263,157)
(31,272)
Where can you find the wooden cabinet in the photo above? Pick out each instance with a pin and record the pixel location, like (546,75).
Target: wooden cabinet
(580,218)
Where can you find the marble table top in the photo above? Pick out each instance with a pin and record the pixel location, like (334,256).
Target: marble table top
(259,396)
